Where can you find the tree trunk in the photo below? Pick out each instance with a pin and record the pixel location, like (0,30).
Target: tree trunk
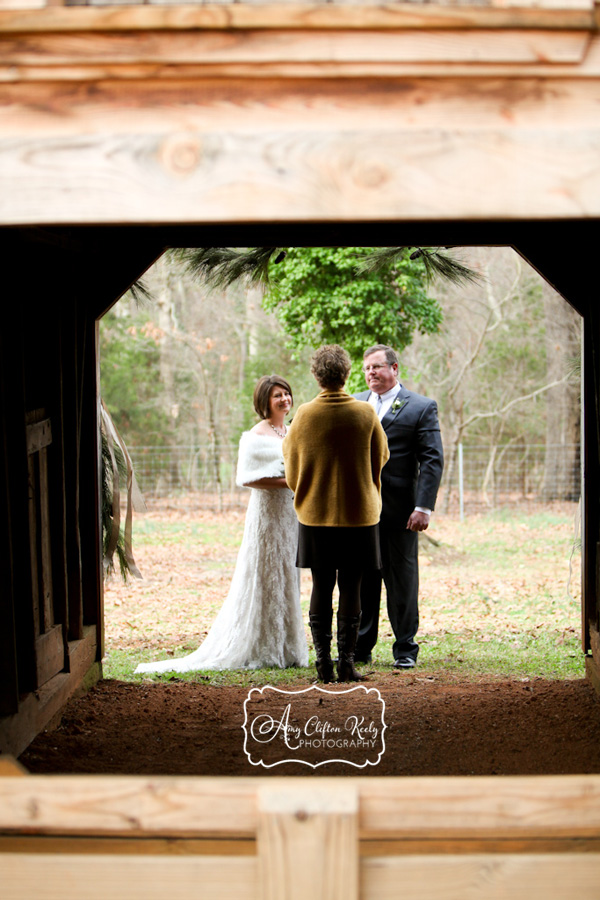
(563,403)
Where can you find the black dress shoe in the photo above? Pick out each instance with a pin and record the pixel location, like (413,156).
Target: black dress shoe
(363,660)
(405,662)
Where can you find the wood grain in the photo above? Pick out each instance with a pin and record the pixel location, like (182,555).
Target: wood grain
(296,15)
(124,877)
(511,807)
(483,877)
(467,173)
(126,805)
(259,47)
(514,807)
(254,107)
(308,842)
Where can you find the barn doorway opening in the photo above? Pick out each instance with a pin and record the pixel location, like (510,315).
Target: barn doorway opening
(502,556)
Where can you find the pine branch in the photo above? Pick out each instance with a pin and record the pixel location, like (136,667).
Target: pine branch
(379,259)
(436,263)
(440,265)
(141,293)
(220,267)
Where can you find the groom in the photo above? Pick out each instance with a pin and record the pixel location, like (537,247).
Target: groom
(409,486)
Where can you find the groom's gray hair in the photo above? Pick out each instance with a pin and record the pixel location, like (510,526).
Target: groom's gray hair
(391,356)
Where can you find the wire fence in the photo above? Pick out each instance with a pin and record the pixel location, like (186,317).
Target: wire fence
(189,479)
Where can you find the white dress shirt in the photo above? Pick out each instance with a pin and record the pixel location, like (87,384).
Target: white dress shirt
(386,401)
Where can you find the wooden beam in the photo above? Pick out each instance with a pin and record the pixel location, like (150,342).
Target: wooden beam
(235,16)
(512,807)
(307,150)
(278,176)
(262,47)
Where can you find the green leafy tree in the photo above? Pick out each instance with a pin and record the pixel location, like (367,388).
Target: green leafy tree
(319,297)
(129,353)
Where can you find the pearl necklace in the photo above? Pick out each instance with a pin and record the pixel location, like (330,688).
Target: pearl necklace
(280,434)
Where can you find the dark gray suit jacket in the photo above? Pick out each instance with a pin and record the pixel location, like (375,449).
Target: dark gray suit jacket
(411,477)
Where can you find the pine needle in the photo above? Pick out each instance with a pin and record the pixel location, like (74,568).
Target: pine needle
(379,259)
(141,293)
(436,263)
(440,265)
(220,267)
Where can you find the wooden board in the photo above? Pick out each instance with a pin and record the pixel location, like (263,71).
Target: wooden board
(298,119)
(37,709)
(303,176)
(39,435)
(124,877)
(306,831)
(513,807)
(562,14)
(260,47)
(50,654)
(10,766)
(483,877)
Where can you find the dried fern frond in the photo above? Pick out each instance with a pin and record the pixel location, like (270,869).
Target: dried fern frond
(116,464)
(220,267)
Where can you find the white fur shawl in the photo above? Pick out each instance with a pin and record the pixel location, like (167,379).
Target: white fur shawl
(259,457)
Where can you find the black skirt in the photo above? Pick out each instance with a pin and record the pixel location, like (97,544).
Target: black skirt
(338,547)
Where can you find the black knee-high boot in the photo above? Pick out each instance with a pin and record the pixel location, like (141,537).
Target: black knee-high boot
(320,626)
(347,634)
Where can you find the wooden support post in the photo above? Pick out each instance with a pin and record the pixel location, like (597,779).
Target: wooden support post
(308,842)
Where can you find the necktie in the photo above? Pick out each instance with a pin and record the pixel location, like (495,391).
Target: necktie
(378,404)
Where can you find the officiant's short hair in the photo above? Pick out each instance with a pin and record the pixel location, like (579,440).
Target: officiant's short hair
(391,357)
(262,392)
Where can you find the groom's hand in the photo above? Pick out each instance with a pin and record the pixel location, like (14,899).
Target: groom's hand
(418,521)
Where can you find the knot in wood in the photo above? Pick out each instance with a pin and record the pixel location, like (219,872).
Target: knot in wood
(372,175)
(181,155)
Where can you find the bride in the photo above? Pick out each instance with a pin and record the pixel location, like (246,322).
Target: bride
(260,622)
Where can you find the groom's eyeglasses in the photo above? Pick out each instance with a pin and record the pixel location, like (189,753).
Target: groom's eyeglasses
(375,367)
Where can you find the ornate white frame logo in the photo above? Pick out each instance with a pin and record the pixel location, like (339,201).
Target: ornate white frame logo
(352,737)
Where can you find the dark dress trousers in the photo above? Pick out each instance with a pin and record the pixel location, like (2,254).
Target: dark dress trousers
(410,478)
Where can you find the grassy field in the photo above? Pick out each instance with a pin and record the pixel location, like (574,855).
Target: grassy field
(500,596)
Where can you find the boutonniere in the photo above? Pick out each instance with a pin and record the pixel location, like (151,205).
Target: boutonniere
(398,404)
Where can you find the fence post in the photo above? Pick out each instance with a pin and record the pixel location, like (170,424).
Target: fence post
(308,841)
(461,486)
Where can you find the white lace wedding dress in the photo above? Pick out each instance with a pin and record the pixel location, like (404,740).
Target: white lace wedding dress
(260,622)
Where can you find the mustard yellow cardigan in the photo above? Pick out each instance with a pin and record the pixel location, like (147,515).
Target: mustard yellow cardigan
(334,452)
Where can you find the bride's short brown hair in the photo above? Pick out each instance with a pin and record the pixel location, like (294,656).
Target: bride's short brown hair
(262,392)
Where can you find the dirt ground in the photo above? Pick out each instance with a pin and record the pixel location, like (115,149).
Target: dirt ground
(435,726)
